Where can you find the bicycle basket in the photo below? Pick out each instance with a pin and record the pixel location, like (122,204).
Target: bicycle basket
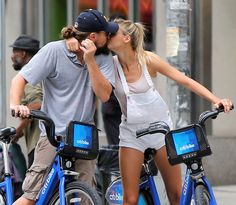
(81,141)
(186,144)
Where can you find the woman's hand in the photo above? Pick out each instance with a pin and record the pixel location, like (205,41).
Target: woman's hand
(227,103)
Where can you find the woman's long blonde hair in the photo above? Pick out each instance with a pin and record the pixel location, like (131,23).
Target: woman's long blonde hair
(136,31)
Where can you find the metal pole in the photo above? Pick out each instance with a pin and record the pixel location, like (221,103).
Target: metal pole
(41,20)
(70,14)
(178,54)
(2,66)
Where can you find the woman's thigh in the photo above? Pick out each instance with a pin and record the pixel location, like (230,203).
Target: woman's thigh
(130,166)
(171,174)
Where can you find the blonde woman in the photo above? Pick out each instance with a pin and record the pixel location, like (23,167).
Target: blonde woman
(141,104)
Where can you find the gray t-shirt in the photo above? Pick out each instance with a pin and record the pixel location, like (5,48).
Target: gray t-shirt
(67,89)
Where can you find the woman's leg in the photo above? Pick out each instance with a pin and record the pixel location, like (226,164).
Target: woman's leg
(171,176)
(130,166)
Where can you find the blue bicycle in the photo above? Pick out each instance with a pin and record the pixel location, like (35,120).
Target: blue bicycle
(186,145)
(148,191)
(61,186)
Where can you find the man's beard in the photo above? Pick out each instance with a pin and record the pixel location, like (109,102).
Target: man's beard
(17,65)
(103,50)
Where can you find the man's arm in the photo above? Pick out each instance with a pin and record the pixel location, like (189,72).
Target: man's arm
(101,86)
(16,93)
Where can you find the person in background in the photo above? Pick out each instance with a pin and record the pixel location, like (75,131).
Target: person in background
(141,105)
(111,112)
(24,48)
(111,115)
(71,82)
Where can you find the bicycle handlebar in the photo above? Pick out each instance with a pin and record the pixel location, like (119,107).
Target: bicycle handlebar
(155,127)
(211,114)
(48,123)
(162,127)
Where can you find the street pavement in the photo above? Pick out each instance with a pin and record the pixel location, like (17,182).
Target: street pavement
(225,195)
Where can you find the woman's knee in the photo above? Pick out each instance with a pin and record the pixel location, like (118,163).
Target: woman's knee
(174,196)
(130,199)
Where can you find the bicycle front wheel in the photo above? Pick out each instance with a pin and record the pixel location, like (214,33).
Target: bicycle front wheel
(202,195)
(77,193)
(2,198)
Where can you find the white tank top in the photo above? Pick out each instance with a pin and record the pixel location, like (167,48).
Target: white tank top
(139,86)
(142,107)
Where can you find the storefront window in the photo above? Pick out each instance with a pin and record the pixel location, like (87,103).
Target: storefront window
(86,4)
(118,8)
(142,12)
(146,17)
(54,20)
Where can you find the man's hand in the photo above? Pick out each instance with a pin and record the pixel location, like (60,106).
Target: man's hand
(89,49)
(20,111)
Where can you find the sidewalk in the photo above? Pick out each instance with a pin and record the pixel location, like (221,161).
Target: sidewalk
(225,195)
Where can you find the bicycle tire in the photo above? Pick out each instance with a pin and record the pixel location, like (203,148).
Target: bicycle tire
(202,195)
(77,192)
(145,198)
(2,198)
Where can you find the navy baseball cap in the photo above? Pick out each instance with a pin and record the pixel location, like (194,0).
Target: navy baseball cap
(94,21)
(26,42)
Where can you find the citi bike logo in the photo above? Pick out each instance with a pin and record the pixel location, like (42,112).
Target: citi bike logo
(114,196)
(84,142)
(47,181)
(185,187)
(186,147)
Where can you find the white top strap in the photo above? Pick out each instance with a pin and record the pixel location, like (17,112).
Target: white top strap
(123,79)
(122,76)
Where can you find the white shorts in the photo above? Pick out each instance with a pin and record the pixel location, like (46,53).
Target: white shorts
(128,137)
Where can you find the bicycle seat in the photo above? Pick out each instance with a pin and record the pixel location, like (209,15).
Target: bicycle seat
(149,162)
(148,153)
(6,133)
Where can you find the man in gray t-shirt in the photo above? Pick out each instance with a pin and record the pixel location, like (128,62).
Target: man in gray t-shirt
(71,81)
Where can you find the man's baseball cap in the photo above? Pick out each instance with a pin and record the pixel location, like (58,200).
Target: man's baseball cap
(94,21)
(26,42)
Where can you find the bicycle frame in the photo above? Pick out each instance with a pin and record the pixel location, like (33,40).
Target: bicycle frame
(188,190)
(6,185)
(56,174)
(151,184)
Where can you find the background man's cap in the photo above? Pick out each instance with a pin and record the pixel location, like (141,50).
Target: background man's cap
(94,21)
(26,42)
